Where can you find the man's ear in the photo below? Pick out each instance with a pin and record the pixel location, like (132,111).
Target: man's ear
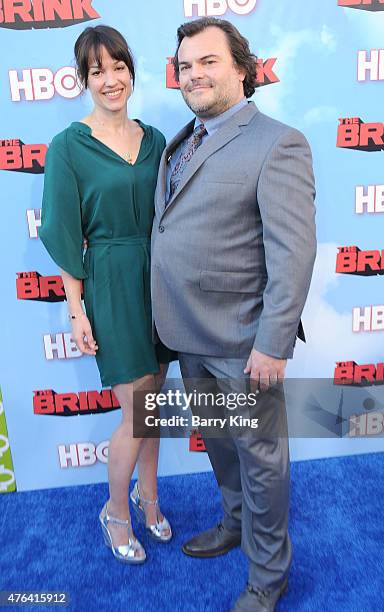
(241,72)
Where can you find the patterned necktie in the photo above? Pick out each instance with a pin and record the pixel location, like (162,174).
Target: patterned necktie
(193,143)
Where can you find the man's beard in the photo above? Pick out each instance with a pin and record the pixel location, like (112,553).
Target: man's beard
(207,110)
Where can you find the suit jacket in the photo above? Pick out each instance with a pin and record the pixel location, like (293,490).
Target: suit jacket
(233,252)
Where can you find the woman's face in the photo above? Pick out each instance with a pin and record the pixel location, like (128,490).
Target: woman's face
(109,84)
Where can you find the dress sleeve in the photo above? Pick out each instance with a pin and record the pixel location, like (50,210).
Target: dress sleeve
(61,228)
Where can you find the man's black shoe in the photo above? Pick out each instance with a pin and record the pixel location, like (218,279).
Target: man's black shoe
(254,599)
(212,543)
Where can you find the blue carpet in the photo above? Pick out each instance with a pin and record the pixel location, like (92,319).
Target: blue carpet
(51,541)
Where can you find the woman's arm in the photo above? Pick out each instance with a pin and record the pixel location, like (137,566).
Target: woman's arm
(81,327)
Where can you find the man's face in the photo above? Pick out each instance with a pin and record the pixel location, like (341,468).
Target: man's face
(210,82)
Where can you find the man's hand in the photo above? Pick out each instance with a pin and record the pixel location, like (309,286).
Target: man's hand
(265,371)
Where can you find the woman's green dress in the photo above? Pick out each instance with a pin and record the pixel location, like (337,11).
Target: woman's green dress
(91,192)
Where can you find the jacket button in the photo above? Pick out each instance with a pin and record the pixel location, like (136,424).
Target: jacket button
(161,228)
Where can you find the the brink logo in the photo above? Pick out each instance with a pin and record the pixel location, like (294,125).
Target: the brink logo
(217,8)
(27,14)
(364,5)
(20,157)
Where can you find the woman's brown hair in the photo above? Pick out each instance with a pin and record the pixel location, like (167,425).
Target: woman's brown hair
(89,45)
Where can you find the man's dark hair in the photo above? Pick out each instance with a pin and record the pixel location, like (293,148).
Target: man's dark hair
(88,47)
(239,47)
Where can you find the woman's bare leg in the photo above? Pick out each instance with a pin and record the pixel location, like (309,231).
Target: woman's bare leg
(122,456)
(148,461)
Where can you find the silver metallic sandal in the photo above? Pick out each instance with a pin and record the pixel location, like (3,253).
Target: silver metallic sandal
(133,552)
(158,530)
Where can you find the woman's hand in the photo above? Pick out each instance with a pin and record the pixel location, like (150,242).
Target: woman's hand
(82,335)
(81,327)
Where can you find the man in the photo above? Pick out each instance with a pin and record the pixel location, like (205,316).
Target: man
(233,252)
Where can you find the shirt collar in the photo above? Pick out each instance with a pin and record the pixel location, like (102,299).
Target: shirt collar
(212,125)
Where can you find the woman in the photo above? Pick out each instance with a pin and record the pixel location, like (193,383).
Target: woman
(100,178)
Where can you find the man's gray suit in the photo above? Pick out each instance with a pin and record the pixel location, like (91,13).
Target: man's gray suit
(232,259)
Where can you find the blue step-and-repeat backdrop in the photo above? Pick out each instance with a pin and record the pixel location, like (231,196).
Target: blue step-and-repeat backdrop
(320,69)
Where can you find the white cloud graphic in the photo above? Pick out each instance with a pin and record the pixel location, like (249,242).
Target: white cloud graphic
(151,97)
(328,38)
(286,49)
(321,114)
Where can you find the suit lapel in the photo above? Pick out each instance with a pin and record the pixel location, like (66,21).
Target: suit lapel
(167,153)
(229,131)
(176,140)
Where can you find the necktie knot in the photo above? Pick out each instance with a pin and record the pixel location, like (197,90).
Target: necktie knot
(199,132)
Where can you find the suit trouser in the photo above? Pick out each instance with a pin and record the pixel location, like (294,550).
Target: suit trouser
(251,469)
